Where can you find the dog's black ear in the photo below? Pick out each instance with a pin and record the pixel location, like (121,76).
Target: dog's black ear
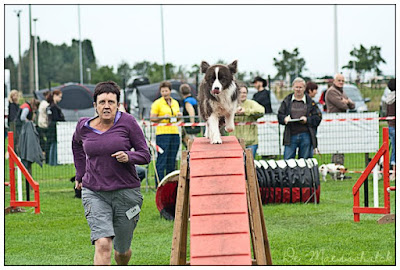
(233,67)
(204,66)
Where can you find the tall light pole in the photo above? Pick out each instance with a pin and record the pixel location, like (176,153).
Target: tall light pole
(162,41)
(31,71)
(18,12)
(36,57)
(335,32)
(80,46)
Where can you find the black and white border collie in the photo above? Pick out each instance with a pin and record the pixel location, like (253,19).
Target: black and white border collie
(218,99)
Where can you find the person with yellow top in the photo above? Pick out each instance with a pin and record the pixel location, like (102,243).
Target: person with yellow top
(248,111)
(166,110)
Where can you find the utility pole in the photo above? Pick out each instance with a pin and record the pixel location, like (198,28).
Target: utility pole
(31,74)
(36,59)
(162,41)
(335,32)
(80,46)
(18,12)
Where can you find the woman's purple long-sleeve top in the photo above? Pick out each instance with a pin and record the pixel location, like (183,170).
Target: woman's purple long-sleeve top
(92,150)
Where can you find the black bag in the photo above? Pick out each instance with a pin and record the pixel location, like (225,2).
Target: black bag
(191,130)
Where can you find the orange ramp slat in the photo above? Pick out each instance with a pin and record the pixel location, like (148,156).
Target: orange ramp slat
(217,185)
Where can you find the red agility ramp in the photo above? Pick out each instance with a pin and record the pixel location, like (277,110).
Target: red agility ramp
(226,216)
(219,230)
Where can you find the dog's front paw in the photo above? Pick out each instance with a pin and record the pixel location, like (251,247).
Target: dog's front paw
(229,129)
(216,140)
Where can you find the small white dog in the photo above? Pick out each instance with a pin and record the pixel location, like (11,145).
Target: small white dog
(336,171)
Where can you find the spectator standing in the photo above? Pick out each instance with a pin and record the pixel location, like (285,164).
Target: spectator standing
(26,113)
(311,91)
(190,108)
(105,171)
(337,101)
(391,111)
(43,124)
(13,107)
(263,96)
(55,115)
(166,110)
(248,111)
(300,115)
(27,137)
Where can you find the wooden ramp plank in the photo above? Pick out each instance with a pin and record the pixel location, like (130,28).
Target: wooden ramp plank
(216,154)
(222,260)
(218,166)
(228,223)
(220,245)
(229,143)
(216,185)
(219,233)
(218,204)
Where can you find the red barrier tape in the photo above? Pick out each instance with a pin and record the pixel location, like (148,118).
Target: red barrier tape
(182,124)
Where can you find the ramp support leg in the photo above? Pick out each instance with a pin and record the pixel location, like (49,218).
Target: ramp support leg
(179,239)
(258,231)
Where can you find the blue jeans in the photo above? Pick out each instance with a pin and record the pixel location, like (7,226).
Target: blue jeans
(166,161)
(253,148)
(392,136)
(53,154)
(301,141)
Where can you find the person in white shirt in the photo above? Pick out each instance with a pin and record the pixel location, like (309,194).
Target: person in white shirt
(43,124)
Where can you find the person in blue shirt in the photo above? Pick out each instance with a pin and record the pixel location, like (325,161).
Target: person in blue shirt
(189,109)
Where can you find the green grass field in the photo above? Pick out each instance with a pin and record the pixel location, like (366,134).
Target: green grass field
(299,234)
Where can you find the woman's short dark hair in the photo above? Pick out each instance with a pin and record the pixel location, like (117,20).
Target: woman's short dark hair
(311,86)
(185,89)
(392,84)
(165,84)
(106,87)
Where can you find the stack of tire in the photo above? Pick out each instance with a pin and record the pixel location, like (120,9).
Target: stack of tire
(288,181)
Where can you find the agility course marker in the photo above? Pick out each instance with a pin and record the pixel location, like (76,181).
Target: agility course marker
(13,159)
(222,204)
(383,151)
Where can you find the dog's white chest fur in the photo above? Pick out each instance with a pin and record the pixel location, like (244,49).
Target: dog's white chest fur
(224,105)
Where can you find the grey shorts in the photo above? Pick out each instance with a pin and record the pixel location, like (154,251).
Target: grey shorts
(105,212)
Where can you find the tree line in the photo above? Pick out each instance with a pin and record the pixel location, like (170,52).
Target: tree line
(59,64)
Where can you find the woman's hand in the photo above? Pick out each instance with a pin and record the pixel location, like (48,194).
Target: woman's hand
(303,119)
(121,156)
(240,111)
(78,185)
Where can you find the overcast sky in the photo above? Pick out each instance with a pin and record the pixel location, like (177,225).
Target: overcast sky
(253,34)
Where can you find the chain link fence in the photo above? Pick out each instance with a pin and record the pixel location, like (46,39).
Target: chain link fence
(355,136)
